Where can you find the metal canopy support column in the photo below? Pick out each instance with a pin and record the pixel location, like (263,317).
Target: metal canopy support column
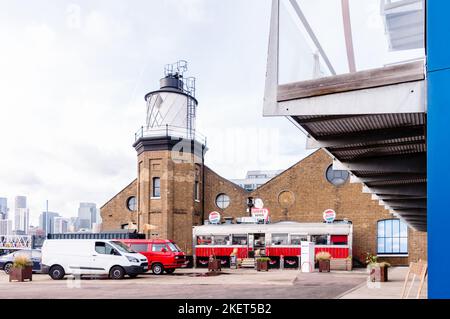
(438,70)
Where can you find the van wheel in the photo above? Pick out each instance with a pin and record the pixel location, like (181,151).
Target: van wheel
(57,272)
(116,272)
(170,270)
(157,269)
(7,268)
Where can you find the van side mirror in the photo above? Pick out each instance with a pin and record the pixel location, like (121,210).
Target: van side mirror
(164,250)
(115,252)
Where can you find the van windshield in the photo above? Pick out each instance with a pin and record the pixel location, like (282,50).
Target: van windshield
(173,247)
(122,247)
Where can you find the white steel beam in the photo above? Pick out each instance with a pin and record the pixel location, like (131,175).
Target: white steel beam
(406,97)
(270,106)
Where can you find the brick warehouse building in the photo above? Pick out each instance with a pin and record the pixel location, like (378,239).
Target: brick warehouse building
(175,191)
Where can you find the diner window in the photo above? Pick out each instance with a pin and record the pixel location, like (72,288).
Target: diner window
(156,187)
(204,240)
(239,239)
(297,239)
(392,237)
(338,239)
(279,239)
(221,240)
(319,239)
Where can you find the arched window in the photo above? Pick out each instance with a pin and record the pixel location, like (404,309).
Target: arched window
(156,187)
(336,177)
(392,237)
(132,204)
(222,201)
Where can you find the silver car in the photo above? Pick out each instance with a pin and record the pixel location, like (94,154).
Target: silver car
(6,261)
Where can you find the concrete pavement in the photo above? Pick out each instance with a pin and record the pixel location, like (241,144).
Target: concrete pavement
(387,290)
(230,284)
(191,284)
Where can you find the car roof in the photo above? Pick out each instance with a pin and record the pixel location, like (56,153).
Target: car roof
(147,241)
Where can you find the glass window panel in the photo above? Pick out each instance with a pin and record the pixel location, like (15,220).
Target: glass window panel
(381,245)
(395,245)
(139,247)
(156,187)
(239,239)
(319,239)
(381,229)
(222,201)
(297,239)
(222,240)
(403,229)
(204,240)
(159,247)
(388,246)
(279,239)
(403,245)
(395,228)
(388,229)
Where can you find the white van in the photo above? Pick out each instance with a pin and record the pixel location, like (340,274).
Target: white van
(62,257)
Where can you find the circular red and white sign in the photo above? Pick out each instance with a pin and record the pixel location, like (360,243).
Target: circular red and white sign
(259,203)
(214,217)
(329,215)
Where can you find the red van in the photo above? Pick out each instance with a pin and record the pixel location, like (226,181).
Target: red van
(162,254)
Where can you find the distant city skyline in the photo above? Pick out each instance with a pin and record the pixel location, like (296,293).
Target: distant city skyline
(34,216)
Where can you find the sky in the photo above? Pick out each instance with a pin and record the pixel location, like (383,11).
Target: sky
(73,75)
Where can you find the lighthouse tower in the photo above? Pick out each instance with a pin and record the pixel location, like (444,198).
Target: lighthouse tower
(170,156)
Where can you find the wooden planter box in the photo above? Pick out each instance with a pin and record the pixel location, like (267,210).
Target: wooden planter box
(214,265)
(21,274)
(378,274)
(324,266)
(340,264)
(262,265)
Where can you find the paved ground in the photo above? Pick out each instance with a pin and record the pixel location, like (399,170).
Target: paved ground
(192,284)
(387,290)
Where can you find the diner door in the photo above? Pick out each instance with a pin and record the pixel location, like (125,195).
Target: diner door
(259,244)
(251,252)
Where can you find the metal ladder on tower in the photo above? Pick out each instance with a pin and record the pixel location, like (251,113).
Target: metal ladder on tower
(191,107)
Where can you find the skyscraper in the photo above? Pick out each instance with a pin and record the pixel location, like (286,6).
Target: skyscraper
(21,214)
(46,222)
(60,225)
(87,215)
(5,227)
(3,208)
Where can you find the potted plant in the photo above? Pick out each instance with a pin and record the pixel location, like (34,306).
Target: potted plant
(378,271)
(323,258)
(262,263)
(22,269)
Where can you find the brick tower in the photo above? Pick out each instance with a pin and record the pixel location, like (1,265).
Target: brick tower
(170,161)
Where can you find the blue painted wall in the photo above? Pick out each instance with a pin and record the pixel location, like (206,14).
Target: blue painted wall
(438,138)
